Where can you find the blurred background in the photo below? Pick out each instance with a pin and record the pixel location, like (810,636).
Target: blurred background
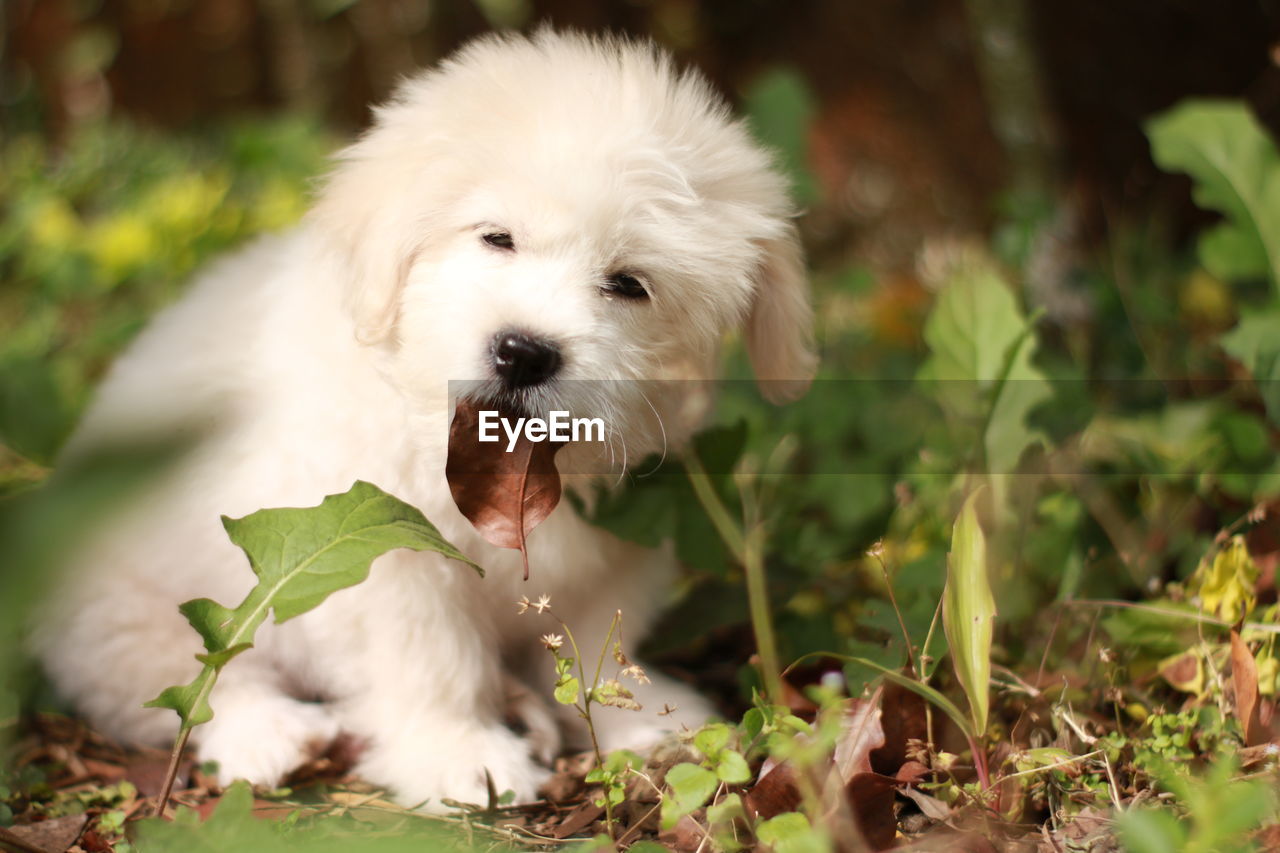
(996,150)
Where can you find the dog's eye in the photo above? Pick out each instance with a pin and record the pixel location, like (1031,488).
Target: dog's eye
(499,240)
(625,285)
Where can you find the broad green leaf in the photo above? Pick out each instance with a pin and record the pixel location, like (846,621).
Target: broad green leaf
(689,786)
(980,369)
(1255,343)
(968,611)
(300,557)
(1237,172)
(791,833)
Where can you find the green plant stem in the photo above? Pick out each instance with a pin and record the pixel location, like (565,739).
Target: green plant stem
(761,620)
(748,549)
(715,509)
(585,711)
(171,773)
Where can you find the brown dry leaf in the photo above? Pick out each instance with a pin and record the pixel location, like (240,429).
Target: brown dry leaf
(1244,679)
(860,734)
(774,792)
(904,716)
(686,837)
(504,495)
(147,773)
(579,819)
(931,807)
(48,836)
(869,794)
(1183,672)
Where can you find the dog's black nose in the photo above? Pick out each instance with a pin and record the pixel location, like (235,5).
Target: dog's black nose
(522,360)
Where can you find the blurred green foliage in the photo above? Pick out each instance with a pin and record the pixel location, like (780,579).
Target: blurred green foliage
(97,236)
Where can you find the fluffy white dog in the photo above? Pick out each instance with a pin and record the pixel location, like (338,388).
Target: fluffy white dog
(534,211)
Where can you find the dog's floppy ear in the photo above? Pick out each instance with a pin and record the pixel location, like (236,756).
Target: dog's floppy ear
(779,329)
(369,216)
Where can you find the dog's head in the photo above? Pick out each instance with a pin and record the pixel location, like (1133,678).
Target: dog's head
(560,208)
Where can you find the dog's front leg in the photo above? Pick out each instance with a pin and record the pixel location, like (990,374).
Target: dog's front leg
(425,692)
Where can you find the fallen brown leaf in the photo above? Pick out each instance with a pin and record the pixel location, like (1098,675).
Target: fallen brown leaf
(579,819)
(775,791)
(48,836)
(1244,680)
(903,717)
(686,836)
(504,495)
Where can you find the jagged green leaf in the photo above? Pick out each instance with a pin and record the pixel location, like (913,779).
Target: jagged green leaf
(1236,169)
(300,557)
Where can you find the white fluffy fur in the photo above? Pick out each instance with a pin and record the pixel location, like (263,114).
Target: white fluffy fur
(323,356)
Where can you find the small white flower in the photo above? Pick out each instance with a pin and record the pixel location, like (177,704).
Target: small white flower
(523,604)
(833,680)
(543,603)
(552,641)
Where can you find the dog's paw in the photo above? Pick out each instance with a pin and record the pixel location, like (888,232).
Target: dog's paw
(429,764)
(260,740)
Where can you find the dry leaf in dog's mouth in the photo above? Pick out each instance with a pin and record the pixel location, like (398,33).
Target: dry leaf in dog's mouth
(503,494)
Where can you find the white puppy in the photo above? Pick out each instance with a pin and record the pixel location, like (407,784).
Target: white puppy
(535,211)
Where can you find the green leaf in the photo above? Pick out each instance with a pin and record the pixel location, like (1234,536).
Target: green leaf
(300,557)
(567,690)
(968,611)
(791,833)
(1237,172)
(980,369)
(710,740)
(1255,343)
(689,787)
(728,808)
(732,768)
(1151,831)
(752,725)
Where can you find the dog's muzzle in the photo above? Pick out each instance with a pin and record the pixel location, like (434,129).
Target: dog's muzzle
(522,360)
